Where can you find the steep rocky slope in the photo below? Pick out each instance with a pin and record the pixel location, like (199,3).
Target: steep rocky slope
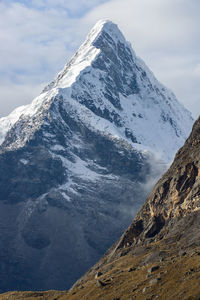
(158,257)
(77,163)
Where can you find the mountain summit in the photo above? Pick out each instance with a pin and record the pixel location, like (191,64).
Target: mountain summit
(117,92)
(79,160)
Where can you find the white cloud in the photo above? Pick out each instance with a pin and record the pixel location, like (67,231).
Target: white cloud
(70,5)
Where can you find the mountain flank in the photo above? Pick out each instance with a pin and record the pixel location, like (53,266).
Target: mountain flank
(158,257)
(152,259)
(78,162)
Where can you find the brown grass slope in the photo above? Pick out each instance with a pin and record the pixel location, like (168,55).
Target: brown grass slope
(158,257)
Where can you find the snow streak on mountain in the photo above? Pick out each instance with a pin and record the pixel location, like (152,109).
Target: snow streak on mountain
(76,163)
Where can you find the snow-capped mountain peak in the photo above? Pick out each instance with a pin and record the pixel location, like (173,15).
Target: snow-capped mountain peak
(107,82)
(86,53)
(78,161)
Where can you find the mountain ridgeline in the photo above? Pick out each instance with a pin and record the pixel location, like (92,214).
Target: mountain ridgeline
(78,162)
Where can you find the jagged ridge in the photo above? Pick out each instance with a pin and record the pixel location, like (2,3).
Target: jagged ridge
(118,95)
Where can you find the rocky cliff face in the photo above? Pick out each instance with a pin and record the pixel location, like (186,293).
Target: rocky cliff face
(175,196)
(76,163)
(158,255)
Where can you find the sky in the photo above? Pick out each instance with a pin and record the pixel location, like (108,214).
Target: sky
(38,37)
